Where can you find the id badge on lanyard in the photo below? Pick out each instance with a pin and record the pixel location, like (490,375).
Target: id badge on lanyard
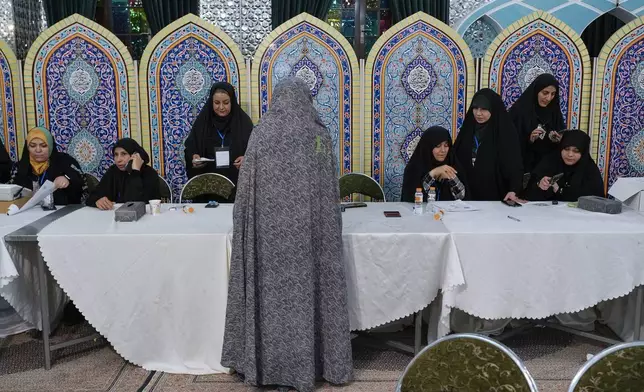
(222,154)
(476,151)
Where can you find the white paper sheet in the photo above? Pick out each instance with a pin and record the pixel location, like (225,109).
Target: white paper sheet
(45,190)
(458,206)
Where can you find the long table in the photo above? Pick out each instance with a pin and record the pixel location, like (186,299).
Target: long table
(156,289)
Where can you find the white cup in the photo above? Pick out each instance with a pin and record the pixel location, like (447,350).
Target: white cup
(155,207)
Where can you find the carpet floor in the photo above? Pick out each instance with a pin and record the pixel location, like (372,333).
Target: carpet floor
(552,357)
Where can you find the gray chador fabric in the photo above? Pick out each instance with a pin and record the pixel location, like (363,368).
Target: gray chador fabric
(287,321)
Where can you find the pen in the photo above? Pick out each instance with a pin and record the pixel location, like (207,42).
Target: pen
(514,219)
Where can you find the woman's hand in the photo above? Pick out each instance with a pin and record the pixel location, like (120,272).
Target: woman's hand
(555,187)
(444,172)
(544,184)
(238,162)
(536,134)
(61,182)
(137,161)
(197,165)
(555,137)
(104,204)
(513,197)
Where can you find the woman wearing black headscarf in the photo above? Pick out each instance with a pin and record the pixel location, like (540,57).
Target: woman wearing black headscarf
(434,164)
(538,119)
(222,125)
(488,148)
(581,176)
(41,161)
(128,179)
(6,165)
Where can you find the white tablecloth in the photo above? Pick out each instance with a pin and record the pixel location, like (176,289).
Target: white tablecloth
(14,292)
(555,260)
(156,288)
(395,266)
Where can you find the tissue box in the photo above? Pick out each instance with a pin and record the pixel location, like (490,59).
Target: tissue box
(629,191)
(599,204)
(130,212)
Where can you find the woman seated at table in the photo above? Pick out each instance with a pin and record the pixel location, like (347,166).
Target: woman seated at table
(6,165)
(130,178)
(488,148)
(434,164)
(537,117)
(41,161)
(579,173)
(221,129)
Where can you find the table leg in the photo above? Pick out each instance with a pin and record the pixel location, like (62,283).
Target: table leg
(638,313)
(418,329)
(434,318)
(44,308)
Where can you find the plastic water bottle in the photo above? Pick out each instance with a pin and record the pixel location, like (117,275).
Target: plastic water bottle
(431,195)
(418,202)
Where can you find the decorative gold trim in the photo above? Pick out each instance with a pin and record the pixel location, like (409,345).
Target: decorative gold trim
(161,36)
(14,67)
(355,76)
(371,59)
(44,37)
(586,77)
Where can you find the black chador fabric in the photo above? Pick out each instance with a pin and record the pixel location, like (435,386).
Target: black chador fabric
(205,135)
(527,115)
(121,186)
(580,179)
(489,152)
(423,161)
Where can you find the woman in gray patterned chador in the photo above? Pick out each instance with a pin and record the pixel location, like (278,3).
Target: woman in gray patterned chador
(287,322)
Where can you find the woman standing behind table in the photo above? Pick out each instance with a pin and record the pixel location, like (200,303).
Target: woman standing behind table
(434,164)
(488,148)
(222,125)
(287,320)
(581,176)
(538,119)
(128,179)
(41,161)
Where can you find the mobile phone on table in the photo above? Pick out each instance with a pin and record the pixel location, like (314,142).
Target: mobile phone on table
(511,203)
(392,214)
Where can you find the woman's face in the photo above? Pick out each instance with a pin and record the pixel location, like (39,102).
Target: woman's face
(38,150)
(571,155)
(546,96)
(121,158)
(221,103)
(440,151)
(481,115)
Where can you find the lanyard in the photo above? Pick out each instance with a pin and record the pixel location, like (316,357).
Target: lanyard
(222,136)
(476,143)
(42,178)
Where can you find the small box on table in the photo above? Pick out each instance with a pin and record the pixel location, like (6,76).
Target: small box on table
(630,191)
(130,212)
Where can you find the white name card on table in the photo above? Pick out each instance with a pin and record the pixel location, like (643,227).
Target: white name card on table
(630,191)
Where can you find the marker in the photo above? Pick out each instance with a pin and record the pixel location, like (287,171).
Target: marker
(514,219)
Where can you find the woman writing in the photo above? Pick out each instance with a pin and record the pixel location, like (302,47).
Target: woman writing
(128,179)
(488,148)
(221,131)
(434,165)
(42,162)
(569,173)
(538,119)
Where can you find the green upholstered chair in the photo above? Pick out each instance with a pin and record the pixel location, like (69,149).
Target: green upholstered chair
(466,363)
(207,184)
(166,192)
(619,368)
(91,181)
(360,183)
